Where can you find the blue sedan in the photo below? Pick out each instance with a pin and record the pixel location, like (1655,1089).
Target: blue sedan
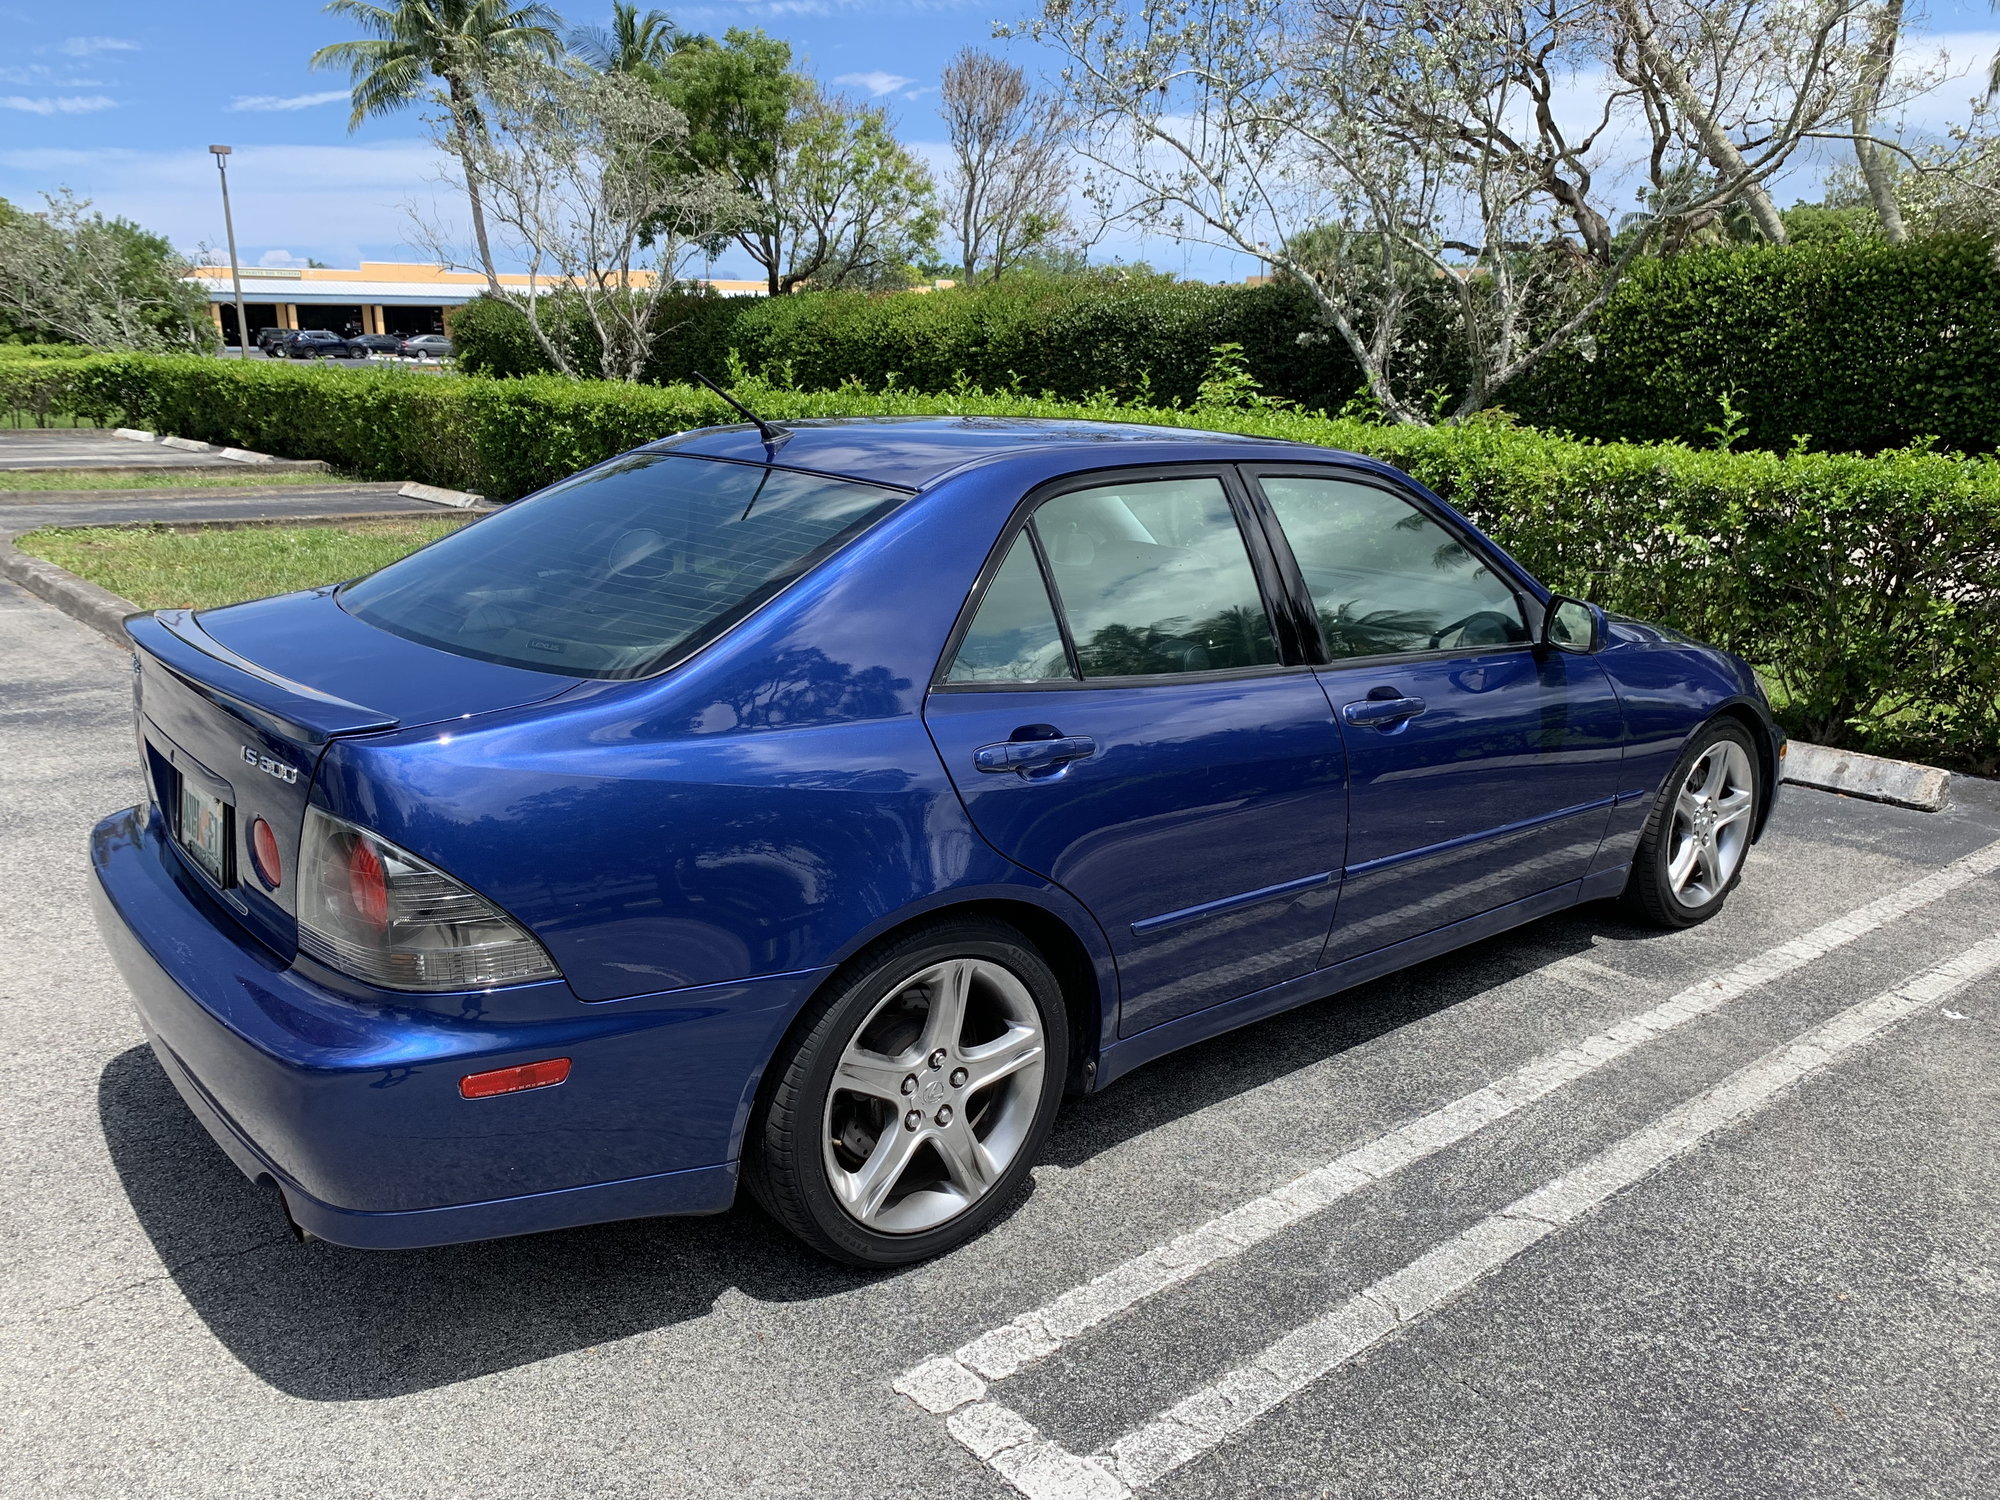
(812,808)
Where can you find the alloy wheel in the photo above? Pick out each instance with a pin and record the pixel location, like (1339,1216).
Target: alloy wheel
(1711,824)
(934,1096)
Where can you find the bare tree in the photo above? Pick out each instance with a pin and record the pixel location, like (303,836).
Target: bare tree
(1422,148)
(1010,175)
(579,173)
(1885,31)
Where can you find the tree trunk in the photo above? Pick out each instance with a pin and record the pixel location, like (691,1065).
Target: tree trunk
(1883,33)
(461,105)
(1715,142)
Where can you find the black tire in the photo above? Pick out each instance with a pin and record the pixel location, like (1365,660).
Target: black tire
(785,1156)
(1650,893)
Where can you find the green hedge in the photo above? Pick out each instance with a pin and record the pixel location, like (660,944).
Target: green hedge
(1858,346)
(1868,590)
(1855,346)
(1073,338)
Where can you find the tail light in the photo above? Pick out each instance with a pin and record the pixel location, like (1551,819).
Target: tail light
(381,914)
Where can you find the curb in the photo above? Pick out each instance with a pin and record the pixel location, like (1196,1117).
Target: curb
(1901,783)
(438,495)
(190,445)
(99,608)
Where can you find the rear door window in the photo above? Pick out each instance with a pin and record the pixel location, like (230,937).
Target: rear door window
(620,571)
(1014,636)
(1154,578)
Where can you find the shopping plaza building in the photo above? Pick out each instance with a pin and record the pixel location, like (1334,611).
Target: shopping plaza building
(378,296)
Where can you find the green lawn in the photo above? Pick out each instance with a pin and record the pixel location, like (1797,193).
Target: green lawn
(163,567)
(158,479)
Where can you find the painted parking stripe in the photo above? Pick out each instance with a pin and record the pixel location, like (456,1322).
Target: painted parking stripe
(1041,1469)
(955,1380)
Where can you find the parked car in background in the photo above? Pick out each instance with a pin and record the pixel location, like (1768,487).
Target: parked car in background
(816,807)
(317,343)
(426,346)
(268,339)
(375,343)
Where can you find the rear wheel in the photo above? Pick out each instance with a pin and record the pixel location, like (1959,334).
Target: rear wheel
(1692,850)
(916,1098)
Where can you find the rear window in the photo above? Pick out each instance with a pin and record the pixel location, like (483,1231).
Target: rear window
(620,571)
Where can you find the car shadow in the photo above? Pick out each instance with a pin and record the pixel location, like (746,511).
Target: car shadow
(324,1323)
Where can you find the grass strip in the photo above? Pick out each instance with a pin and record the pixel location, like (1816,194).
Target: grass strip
(159,479)
(192,567)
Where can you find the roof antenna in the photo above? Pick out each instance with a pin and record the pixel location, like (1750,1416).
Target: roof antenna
(772,435)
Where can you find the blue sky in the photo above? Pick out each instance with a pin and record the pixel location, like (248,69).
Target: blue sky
(119,99)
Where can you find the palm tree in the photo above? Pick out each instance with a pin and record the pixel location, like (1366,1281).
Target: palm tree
(453,41)
(633,44)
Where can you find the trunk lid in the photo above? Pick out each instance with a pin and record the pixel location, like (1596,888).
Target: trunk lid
(236,705)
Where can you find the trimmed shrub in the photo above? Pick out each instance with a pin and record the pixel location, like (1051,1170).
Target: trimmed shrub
(1852,346)
(1867,589)
(1077,338)
(1846,346)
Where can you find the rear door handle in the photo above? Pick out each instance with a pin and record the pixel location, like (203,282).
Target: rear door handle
(1381,713)
(1033,755)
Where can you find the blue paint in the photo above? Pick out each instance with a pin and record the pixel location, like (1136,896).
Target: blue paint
(700,849)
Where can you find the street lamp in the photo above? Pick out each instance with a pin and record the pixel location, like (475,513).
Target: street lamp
(221,155)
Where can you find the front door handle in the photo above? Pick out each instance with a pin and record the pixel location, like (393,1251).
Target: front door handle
(1381,713)
(1033,755)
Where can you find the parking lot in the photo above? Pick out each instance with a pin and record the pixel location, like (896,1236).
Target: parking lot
(1584,1211)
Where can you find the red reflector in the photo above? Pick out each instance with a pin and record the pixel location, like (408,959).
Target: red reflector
(264,854)
(367,886)
(536,1075)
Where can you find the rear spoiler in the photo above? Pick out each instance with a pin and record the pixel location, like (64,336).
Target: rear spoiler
(301,713)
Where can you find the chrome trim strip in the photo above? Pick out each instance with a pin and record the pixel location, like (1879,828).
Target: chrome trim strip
(1230,903)
(1390,861)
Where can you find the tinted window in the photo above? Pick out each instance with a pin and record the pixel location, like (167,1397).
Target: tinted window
(1154,578)
(1014,636)
(618,570)
(1384,576)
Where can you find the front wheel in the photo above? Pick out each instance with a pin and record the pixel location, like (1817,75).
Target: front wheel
(916,1098)
(1692,850)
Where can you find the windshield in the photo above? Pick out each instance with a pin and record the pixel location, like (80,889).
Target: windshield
(620,571)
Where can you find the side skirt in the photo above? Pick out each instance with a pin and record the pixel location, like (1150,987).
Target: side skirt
(1123,1056)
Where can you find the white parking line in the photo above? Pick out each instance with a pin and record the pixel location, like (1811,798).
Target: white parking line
(956,1380)
(1042,1469)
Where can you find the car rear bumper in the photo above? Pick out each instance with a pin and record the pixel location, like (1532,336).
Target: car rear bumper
(351,1107)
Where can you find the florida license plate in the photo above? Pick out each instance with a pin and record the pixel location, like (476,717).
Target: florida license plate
(203,830)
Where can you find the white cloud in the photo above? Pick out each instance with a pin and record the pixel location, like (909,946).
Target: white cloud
(69,104)
(268,102)
(282,259)
(86,46)
(877,83)
(41,75)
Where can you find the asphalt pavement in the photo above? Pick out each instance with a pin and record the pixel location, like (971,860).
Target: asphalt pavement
(1574,1213)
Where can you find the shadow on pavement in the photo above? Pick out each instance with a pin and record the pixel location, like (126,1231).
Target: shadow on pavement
(328,1324)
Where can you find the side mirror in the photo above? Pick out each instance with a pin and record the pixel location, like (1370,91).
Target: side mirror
(1573,625)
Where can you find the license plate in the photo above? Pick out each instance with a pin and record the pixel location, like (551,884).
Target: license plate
(203,830)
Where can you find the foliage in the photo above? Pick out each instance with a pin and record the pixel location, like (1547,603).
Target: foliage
(69,274)
(1867,588)
(574,167)
(456,42)
(1437,146)
(838,201)
(1855,344)
(1138,337)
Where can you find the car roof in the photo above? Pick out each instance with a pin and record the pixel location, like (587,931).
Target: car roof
(915,452)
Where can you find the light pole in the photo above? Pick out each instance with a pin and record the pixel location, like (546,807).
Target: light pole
(221,155)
